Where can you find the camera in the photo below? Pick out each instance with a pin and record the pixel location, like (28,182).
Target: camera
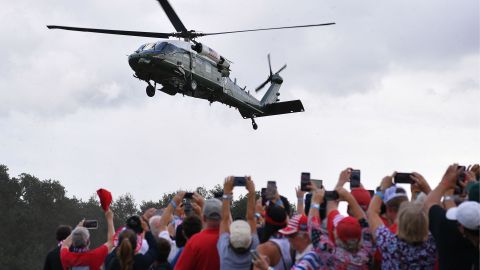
(188,195)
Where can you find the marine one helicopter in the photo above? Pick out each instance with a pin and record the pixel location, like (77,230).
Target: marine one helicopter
(193,69)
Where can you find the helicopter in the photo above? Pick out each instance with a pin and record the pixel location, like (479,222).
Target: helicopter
(191,68)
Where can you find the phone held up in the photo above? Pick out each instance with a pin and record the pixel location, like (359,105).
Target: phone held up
(239,181)
(304,181)
(355,179)
(461,177)
(271,190)
(90,224)
(403,178)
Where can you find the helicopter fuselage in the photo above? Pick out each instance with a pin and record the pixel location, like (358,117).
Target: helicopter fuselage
(179,69)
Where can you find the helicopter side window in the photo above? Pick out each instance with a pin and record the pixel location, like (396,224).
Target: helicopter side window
(169,48)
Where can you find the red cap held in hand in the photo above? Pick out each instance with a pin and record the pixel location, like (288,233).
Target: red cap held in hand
(105,198)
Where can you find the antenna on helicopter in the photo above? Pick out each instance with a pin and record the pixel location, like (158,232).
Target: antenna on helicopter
(269,79)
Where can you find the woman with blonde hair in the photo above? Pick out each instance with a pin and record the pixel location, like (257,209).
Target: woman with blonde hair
(412,247)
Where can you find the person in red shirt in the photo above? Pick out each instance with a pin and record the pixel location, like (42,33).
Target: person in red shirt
(81,256)
(201,250)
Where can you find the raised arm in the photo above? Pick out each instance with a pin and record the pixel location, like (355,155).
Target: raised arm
(110,229)
(168,211)
(448,182)
(250,186)
(227,198)
(373,212)
(314,218)
(300,196)
(355,208)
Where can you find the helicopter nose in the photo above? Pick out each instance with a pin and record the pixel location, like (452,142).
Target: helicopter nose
(133,60)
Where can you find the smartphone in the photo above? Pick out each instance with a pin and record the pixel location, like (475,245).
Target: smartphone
(188,195)
(255,254)
(318,183)
(304,181)
(461,177)
(239,181)
(262,194)
(271,190)
(331,195)
(355,179)
(403,178)
(308,201)
(187,208)
(90,224)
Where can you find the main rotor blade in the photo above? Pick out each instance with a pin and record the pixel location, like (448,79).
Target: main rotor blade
(269,64)
(113,32)
(177,23)
(264,29)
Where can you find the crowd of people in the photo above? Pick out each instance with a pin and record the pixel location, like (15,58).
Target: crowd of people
(434,229)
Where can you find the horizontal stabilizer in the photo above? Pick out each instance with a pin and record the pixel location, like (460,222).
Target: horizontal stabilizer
(291,106)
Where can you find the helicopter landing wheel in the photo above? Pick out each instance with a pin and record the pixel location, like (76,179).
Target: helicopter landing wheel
(150,91)
(254,125)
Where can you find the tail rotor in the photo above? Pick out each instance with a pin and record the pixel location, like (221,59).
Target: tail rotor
(269,79)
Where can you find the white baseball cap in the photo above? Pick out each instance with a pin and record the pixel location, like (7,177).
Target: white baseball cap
(467,214)
(240,234)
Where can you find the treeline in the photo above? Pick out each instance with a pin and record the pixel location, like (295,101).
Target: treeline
(31,209)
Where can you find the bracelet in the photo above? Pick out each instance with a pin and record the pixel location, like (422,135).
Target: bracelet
(227,197)
(448,198)
(174,204)
(316,206)
(379,194)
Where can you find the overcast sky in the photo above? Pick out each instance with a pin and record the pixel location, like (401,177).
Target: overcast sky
(394,85)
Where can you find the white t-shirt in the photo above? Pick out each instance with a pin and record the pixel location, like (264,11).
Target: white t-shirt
(173,246)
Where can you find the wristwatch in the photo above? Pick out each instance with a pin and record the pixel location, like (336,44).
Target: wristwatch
(227,197)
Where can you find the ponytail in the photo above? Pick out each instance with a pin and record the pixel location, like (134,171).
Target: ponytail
(125,250)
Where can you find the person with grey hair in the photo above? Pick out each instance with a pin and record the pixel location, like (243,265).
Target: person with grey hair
(81,255)
(201,249)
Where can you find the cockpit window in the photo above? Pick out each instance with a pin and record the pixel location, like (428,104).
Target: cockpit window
(149,46)
(140,49)
(159,46)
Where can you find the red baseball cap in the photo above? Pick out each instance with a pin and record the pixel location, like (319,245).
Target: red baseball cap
(362,196)
(348,229)
(295,224)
